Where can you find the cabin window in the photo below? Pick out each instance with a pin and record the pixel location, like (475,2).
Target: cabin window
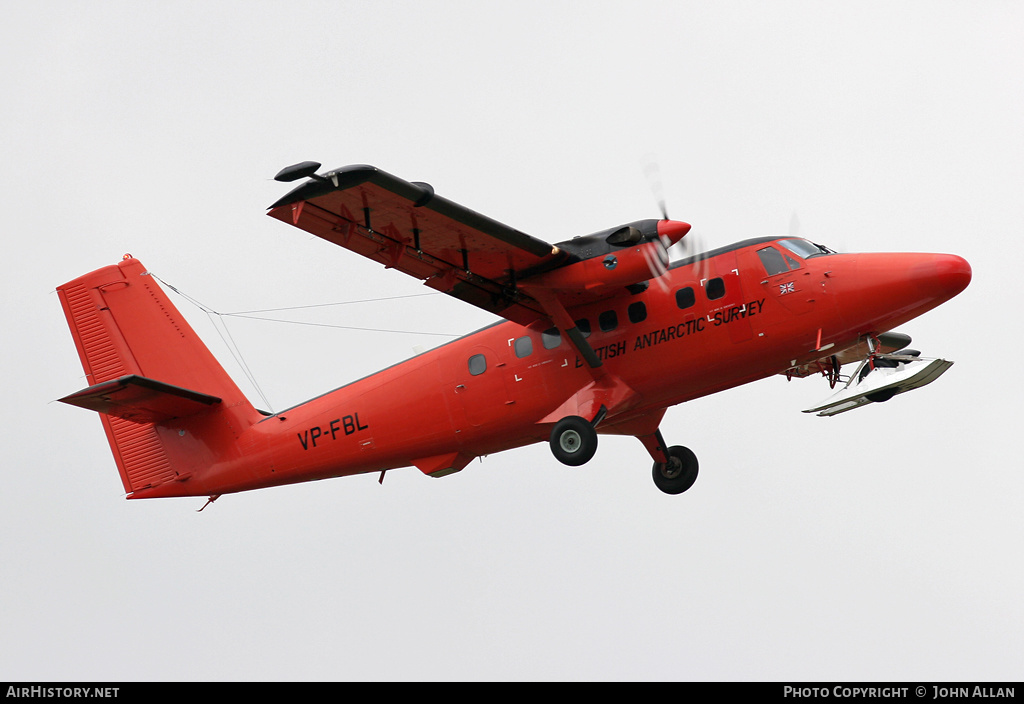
(792,264)
(583,325)
(715,288)
(477,364)
(551,338)
(524,347)
(772,261)
(637,312)
(685,298)
(608,321)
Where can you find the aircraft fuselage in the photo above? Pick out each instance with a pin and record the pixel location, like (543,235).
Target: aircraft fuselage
(707,325)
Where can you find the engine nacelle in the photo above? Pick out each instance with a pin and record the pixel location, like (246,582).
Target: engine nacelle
(624,267)
(615,258)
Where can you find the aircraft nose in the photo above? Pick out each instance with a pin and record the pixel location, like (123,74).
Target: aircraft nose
(888,289)
(952,272)
(939,276)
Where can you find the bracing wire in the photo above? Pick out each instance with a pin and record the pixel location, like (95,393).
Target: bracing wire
(324,305)
(225,336)
(331,325)
(217,319)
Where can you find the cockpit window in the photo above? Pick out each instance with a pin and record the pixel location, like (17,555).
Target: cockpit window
(772,261)
(805,249)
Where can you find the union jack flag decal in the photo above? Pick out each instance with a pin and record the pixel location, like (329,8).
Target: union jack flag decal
(787,287)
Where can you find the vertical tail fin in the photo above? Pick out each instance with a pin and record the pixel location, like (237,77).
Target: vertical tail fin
(151,378)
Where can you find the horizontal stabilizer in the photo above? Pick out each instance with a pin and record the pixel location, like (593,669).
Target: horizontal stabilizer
(141,400)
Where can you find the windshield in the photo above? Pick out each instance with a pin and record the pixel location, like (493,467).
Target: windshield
(805,249)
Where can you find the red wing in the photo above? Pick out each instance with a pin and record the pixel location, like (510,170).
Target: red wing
(404,226)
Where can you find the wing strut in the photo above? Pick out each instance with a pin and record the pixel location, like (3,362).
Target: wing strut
(560,317)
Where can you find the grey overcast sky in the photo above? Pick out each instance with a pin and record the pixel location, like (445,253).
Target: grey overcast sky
(883,544)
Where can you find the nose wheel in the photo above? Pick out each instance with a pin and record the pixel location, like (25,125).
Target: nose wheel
(675,468)
(679,473)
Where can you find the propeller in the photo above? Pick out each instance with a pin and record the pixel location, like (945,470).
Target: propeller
(658,260)
(689,246)
(693,246)
(653,174)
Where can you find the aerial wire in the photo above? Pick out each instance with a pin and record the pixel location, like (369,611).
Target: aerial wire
(338,303)
(225,336)
(217,319)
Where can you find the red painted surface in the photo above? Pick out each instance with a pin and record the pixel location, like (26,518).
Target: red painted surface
(434,412)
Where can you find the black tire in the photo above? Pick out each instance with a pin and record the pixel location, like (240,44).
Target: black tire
(679,474)
(573,441)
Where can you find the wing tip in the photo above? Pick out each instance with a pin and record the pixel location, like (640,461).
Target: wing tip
(336,180)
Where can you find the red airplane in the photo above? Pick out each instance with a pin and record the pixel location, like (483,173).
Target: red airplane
(601,334)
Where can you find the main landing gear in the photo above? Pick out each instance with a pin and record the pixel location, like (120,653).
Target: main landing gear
(574,442)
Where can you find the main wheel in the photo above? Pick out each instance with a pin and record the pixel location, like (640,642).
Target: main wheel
(573,441)
(679,473)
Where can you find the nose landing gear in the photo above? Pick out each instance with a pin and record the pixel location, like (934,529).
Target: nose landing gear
(675,468)
(679,473)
